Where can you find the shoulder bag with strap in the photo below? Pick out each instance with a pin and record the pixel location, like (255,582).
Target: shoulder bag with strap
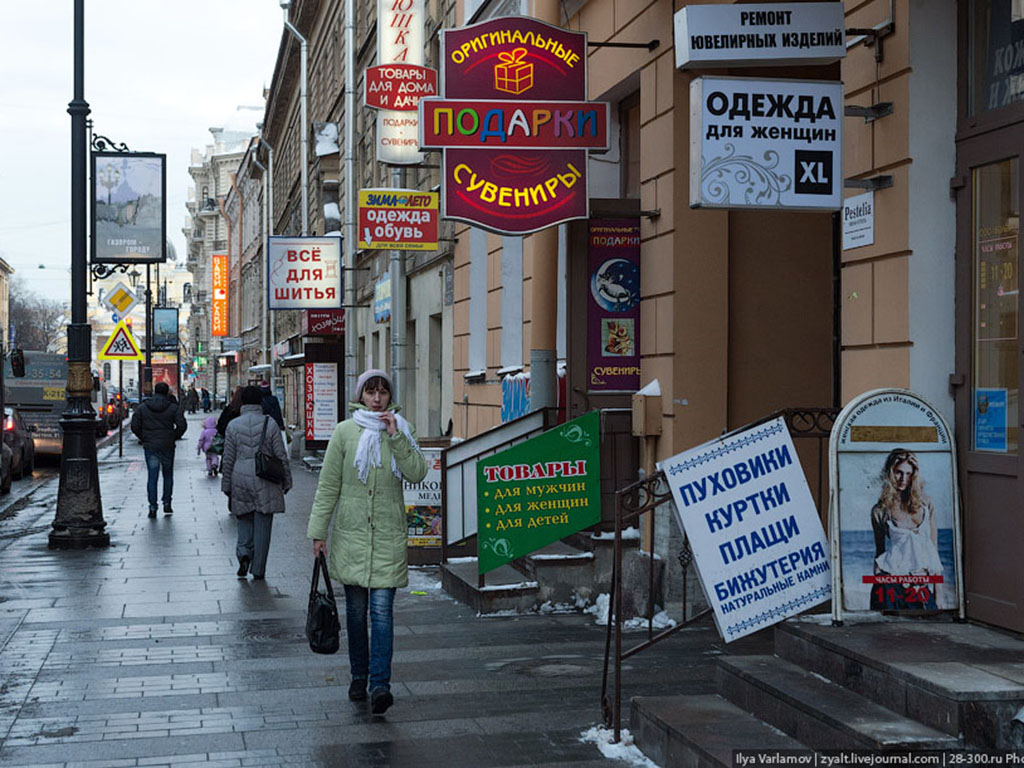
(268,466)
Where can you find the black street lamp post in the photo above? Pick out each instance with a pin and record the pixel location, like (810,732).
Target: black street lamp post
(79,519)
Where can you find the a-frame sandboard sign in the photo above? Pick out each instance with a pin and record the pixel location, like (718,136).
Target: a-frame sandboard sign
(121,345)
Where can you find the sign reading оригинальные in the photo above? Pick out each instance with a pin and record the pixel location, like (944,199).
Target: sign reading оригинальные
(758,544)
(538,492)
(514,125)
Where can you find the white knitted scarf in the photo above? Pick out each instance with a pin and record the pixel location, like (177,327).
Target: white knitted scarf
(368,450)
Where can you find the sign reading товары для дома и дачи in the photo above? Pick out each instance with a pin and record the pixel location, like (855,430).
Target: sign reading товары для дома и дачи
(758,543)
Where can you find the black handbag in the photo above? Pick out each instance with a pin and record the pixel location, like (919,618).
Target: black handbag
(322,625)
(268,466)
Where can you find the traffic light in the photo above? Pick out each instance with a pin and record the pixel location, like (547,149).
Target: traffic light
(17,362)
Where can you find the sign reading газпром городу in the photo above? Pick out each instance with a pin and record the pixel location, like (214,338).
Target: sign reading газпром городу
(758,544)
(538,491)
(730,35)
(774,144)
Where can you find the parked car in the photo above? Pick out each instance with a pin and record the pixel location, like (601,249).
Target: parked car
(113,413)
(5,468)
(18,437)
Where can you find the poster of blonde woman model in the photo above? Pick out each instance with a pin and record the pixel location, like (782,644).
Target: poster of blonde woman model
(897,532)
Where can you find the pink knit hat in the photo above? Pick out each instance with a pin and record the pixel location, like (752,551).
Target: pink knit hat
(365,376)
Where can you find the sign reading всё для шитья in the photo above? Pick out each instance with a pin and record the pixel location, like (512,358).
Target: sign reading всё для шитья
(538,492)
(514,125)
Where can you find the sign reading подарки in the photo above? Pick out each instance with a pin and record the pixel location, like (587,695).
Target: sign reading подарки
(758,544)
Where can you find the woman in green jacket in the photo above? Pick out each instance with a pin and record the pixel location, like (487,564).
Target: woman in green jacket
(360,490)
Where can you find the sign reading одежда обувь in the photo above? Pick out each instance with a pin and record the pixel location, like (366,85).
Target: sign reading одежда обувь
(538,492)
(758,544)
(773,144)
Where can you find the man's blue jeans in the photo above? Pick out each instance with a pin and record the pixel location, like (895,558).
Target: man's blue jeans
(155,460)
(370,658)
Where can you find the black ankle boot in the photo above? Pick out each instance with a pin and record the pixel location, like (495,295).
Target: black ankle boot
(357,690)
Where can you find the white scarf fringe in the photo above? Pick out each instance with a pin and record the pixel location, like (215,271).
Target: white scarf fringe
(368,450)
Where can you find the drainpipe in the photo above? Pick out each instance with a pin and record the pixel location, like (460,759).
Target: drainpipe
(304,125)
(350,203)
(263,265)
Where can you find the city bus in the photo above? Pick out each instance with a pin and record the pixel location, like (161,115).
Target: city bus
(40,396)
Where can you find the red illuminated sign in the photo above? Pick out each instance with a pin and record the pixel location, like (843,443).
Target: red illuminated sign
(398,86)
(514,125)
(219,305)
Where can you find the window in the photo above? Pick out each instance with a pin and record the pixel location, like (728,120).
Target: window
(629,138)
(996,66)
(995,232)
(511,304)
(477,357)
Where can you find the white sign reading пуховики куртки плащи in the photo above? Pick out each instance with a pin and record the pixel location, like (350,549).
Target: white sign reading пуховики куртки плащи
(758,543)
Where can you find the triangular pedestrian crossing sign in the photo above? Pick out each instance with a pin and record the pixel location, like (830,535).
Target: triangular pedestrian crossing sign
(121,345)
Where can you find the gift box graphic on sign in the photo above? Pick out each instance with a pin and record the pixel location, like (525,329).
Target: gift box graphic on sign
(513,74)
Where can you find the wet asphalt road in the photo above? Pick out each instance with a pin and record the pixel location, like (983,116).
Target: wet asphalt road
(153,652)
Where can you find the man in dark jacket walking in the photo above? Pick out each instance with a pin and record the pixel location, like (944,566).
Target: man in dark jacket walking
(271,405)
(158,422)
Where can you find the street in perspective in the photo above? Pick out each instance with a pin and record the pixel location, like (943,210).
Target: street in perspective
(504,383)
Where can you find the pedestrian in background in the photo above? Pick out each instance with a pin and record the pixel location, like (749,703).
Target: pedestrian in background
(231,411)
(271,405)
(158,422)
(252,500)
(205,397)
(205,445)
(359,499)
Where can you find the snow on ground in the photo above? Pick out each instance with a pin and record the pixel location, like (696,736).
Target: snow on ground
(600,610)
(624,750)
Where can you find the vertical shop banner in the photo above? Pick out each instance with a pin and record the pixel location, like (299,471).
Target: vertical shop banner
(129,207)
(894,508)
(538,492)
(766,143)
(304,272)
(613,306)
(398,219)
(400,40)
(423,503)
(758,544)
(321,400)
(219,305)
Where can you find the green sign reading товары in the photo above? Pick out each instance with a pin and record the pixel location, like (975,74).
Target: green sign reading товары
(538,492)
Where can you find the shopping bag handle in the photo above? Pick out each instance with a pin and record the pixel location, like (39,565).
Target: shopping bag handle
(320,562)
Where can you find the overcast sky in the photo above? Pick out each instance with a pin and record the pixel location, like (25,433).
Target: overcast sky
(158,75)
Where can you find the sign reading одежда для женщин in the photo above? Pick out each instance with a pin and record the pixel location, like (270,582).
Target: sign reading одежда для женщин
(760,143)
(758,543)
(538,492)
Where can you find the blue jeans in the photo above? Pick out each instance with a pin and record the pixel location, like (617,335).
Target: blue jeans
(370,659)
(155,460)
